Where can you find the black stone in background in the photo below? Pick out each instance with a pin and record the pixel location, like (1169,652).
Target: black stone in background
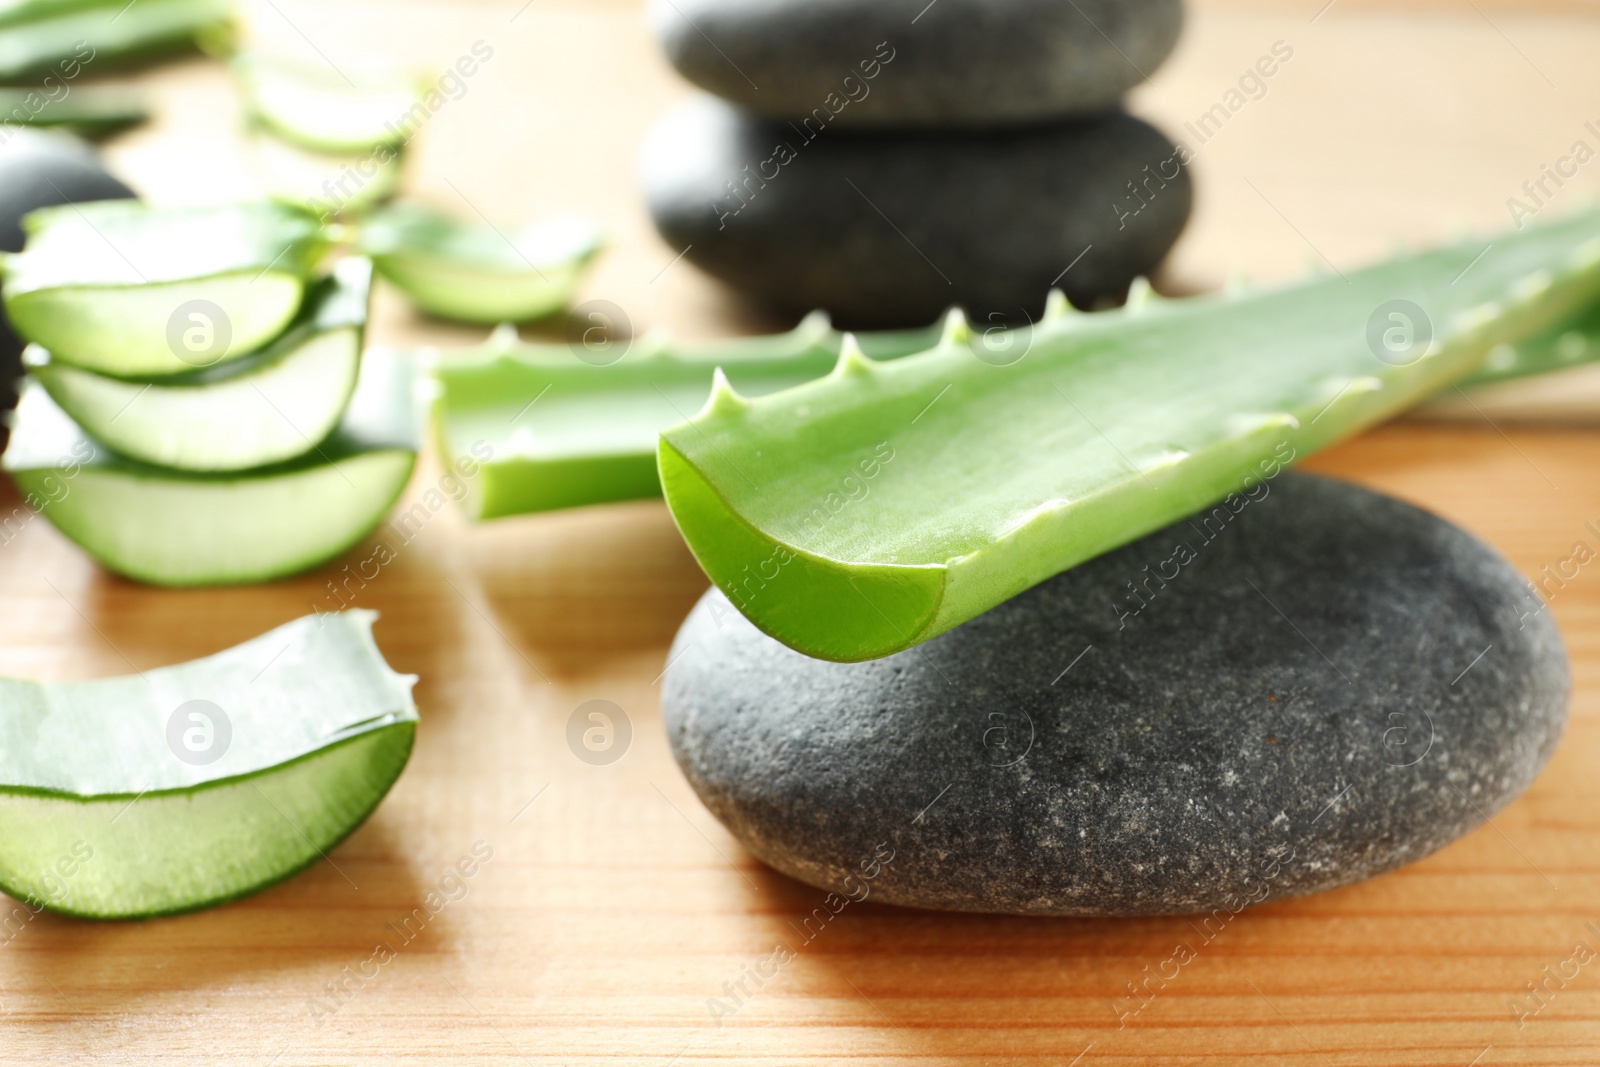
(38,169)
(891,229)
(1336,684)
(876,63)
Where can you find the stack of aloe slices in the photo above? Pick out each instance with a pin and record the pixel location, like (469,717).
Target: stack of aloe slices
(198,410)
(192,785)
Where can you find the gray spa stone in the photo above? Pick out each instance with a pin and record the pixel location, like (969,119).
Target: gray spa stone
(893,229)
(905,62)
(1327,684)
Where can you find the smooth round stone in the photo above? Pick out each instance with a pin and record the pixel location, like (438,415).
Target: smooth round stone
(40,169)
(1328,684)
(892,230)
(909,62)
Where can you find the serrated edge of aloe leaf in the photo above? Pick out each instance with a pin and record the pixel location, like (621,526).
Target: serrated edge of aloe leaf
(973,581)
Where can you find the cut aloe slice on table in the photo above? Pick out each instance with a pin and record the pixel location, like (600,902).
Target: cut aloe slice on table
(316,106)
(561,432)
(188,786)
(123,288)
(475,273)
(39,38)
(275,405)
(855,516)
(182,528)
(328,184)
(87,112)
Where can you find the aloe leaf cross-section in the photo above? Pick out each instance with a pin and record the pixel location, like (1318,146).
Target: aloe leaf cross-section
(860,514)
(122,288)
(187,786)
(271,406)
(477,272)
(185,528)
(562,432)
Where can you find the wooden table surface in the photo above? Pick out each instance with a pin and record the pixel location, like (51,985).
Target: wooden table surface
(614,906)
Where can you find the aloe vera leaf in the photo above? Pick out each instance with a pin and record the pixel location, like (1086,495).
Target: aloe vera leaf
(327,110)
(183,528)
(268,407)
(857,515)
(127,289)
(561,432)
(195,784)
(88,112)
(477,273)
(39,39)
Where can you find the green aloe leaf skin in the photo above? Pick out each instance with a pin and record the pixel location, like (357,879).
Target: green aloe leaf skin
(275,405)
(860,514)
(188,786)
(182,528)
(126,289)
(61,38)
(478,273)
(564,432)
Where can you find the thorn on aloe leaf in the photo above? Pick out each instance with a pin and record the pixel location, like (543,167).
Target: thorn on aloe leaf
(852,361)
(723,399)
(1140,295)
(956,330)
(1057,307)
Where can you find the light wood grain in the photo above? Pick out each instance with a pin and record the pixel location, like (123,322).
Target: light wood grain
(614,905)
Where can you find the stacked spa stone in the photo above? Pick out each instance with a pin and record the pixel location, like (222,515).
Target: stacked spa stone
(885,159)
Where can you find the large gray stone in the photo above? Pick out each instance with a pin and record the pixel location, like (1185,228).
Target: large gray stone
(1326,685)
(891,230)
(899,62)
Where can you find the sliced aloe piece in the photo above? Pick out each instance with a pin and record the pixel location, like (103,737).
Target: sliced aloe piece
(275,405)
(860,514)
(188,786)
(327,110)
(182,528)
(329,184)
(478,273)
(38,39)
(126,289)
(86,111)
(561,432)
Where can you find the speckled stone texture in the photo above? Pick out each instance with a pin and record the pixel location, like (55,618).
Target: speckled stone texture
(891,230)
(1327,685)
(39,169)
(902,62)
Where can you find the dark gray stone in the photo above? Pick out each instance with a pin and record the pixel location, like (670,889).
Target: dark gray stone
(891,230)
(1335,684)
(40,169)
(899,62)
